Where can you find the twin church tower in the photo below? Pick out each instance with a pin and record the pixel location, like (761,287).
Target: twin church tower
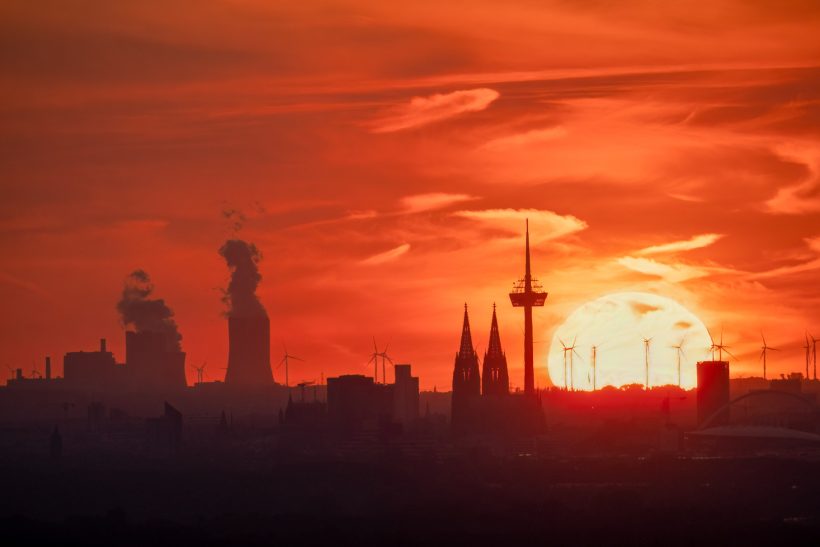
(479,400)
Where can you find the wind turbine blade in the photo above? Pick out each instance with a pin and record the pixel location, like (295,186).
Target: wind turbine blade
(730,354)
(296,358)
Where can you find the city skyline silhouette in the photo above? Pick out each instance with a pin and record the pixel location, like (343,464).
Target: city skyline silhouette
(349,272)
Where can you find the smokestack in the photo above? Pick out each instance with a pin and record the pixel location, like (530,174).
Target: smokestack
(102,345)
(147,314)
(48,368)
(248,324)
(19,374)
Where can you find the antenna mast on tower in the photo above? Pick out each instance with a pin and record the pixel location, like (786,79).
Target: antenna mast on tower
(527,293)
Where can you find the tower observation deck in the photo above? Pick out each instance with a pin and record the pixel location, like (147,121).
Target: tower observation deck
(528,292)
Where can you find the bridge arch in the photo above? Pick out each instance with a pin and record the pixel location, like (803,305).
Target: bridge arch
(769,392)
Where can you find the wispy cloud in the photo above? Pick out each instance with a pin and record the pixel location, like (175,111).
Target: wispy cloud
(813,243)
(544,225)
(424,110)
(804,197)
(673,273)
(695,242)
(534,136)
(428,202)
(386,256)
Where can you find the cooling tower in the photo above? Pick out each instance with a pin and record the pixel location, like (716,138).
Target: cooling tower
(249,352)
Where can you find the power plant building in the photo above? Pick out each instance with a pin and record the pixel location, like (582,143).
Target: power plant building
(151,364)
(93,370)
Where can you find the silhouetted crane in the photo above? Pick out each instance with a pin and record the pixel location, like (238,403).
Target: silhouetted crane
(302,385)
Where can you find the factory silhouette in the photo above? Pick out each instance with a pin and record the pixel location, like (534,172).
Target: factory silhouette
(323,453)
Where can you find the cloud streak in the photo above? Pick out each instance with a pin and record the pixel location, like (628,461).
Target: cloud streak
(695,242)
(434,108)
(420,203)
(386,256)
(544,225)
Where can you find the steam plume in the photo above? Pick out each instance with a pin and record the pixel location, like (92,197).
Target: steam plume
(242,259)
(145,313)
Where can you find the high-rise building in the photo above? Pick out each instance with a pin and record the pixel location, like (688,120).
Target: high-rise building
(249,352)
(354,400)
(713,392)
(405,397)
(466,381)
(495,380)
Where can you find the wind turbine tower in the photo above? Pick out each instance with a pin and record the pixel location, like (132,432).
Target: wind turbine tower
(286,361)
(594,351)
(646,342)
(679,352)
(527,293)
(765,348)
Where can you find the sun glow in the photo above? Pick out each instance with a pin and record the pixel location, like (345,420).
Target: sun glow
(617,324)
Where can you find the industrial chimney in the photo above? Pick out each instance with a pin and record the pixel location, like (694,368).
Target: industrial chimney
(48,368)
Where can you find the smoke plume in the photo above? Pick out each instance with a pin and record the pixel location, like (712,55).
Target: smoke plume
(242,259)
(144,313)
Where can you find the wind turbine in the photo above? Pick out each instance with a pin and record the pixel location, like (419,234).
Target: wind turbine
(646,342)
(766,348)
(565,350)
(200,372)
(813,355)
(678,352)
(285,359)
(571,350)
(384,357)
(807,347)
(374,358)
(594,352)
(721,348)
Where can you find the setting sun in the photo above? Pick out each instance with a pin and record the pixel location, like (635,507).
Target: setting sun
(617,324)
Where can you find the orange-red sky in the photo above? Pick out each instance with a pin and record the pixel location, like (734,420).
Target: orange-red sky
(385,157)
